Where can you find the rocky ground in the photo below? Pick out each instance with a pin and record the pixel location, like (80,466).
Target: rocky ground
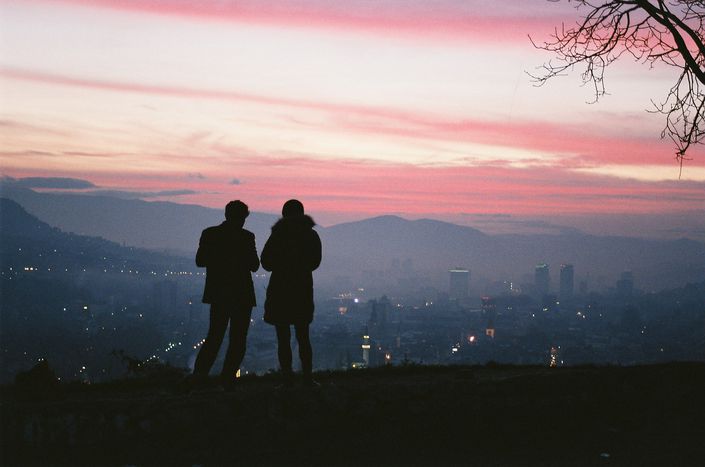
(414,415)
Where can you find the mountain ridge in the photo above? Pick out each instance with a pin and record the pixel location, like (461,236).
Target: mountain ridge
(27,241)
(426,247)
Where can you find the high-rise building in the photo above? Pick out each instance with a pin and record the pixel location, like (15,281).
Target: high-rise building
(366,348)
(566,287)
(379,314)
(542,279)
(459,283)
(553,362)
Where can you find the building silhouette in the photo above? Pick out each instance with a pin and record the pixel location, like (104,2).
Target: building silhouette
(459,283)
(542,279)
(366,348)
(567,280)
(379,316)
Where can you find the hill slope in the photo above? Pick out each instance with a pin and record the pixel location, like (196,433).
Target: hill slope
(26,241)
(493,416)
(154,225)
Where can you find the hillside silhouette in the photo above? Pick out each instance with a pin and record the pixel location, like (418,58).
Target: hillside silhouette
(156,225)
(373,244)
(408,415)
(25,240)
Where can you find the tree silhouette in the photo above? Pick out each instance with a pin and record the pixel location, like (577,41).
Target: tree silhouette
(653,32)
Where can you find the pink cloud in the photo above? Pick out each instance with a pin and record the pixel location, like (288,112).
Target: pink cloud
(454,21)
(376,188)
(580,146)
(356,188)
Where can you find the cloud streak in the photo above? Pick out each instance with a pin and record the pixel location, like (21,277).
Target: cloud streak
(441,20)
(126,194)
(56,183)
(378,188)
(569,144)
(363,188)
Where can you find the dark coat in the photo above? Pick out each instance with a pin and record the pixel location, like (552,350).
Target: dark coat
(229,255)
(292,253)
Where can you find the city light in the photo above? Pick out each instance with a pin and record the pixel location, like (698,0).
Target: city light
(554,357)
(176,314)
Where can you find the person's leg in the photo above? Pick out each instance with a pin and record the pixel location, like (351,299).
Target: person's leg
(209,350)
(305,350)
(284,348)
(239,325)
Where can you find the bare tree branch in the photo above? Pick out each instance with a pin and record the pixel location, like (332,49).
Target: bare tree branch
(669,32)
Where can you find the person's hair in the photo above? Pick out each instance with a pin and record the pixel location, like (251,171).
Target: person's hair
(293,207)
(236,211)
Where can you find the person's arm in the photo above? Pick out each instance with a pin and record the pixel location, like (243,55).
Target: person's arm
(316,251)
(203,253)
(253,259)
(268,254)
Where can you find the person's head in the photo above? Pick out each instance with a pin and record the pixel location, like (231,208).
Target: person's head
(236,211)
(293,208)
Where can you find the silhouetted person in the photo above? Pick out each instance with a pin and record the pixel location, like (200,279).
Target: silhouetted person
(228,253)
(292,253)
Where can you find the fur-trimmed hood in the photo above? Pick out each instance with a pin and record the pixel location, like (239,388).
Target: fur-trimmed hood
(293,223)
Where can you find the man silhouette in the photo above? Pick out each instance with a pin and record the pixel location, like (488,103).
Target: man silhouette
(228,253)
(292,253)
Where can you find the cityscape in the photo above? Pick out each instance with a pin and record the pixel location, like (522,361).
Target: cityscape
(103,306)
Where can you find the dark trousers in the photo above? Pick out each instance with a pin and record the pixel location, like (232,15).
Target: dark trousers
(239,319)
(284,348)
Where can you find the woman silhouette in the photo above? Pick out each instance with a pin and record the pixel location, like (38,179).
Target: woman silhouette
(292,253)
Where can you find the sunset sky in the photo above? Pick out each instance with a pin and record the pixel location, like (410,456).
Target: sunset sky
(358,108)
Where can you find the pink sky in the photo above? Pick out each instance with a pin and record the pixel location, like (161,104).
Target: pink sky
(360,108)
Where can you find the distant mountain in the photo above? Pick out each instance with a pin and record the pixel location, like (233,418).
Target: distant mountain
(15,221)
(155,225)
(390,247)
(26,241)
(432,247)
(376,243)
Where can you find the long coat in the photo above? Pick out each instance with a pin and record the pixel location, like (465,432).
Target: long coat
(228,253)
(292,253)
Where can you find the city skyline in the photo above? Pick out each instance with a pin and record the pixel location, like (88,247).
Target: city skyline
(421,111)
